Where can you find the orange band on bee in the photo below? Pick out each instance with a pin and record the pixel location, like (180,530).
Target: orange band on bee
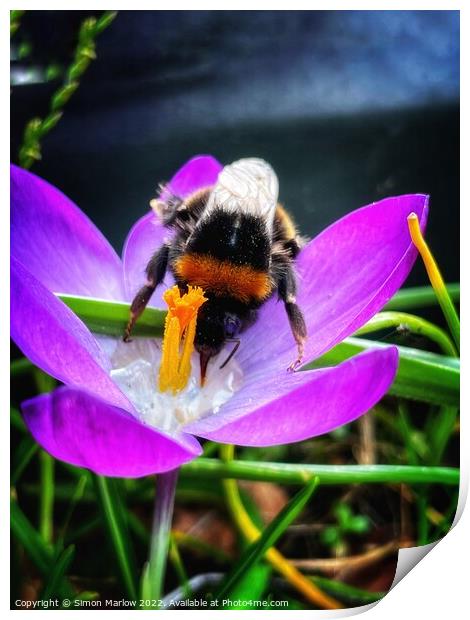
(223,277)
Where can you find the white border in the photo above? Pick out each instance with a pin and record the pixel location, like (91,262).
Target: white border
(439,586)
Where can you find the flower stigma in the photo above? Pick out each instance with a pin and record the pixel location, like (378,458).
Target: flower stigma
(178,337)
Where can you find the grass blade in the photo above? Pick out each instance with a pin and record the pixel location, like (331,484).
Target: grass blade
(25,451)
(268,538)
(57,573)
(38,551)
(16,421)
(116,524)
(35,547)
(423,376)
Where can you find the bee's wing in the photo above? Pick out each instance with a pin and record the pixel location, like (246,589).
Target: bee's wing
(247,186)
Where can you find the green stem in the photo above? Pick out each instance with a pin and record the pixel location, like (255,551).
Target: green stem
(154,572)
(293,473)
(46,500)
(420,297)
(37,128)
(45,384)
(412,323)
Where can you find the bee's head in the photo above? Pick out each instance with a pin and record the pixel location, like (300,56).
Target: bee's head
(214,326)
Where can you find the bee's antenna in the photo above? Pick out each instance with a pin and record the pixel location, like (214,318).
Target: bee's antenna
(232,353)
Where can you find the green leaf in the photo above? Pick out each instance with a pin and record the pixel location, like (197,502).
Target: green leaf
(62,95)
(24,50)
(24,452)
(78,68)
(359,524)
(420,297)
(18,368)
(330,536)
(57,572)
(35,547)
(15,15)
(346,593)
(296,473)
(254,582)
(423,376)
(16,420)
(76,497)
(53,71)
(38,551)
(343,514)
(439,429)
(116,524)
(111,317)
(268,538)
(250,587)
(105,20)
(33,130)
(50,121)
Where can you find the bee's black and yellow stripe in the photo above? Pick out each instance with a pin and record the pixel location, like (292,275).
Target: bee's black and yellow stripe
(229,255)
(223,278)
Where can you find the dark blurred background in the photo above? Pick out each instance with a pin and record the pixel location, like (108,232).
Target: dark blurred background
(348,106)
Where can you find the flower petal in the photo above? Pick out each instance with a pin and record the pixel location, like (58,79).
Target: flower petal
(200,171)
(84,431)
(55,339)
(346,275)
(147,235)
(294,407)
(57,243)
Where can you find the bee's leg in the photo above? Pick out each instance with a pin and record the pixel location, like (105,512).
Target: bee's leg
(287,290)
(155,270)
(166,210)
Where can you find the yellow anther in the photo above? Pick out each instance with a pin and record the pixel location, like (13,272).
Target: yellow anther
(180,330)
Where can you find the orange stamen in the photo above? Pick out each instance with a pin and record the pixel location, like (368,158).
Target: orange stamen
(179,333)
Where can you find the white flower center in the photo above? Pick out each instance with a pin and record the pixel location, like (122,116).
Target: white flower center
(135,370)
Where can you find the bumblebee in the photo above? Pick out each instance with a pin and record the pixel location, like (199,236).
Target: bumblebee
(238,244)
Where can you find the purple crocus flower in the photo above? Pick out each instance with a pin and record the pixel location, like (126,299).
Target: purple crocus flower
(346,275)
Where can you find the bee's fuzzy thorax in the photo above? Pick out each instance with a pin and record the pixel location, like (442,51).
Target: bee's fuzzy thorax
(223,278)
